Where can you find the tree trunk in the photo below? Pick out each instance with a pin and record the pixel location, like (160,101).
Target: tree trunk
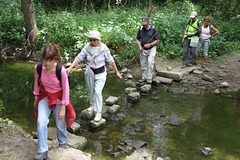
(29,19)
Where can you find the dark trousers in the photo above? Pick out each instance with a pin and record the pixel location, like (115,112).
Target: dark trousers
(186,46)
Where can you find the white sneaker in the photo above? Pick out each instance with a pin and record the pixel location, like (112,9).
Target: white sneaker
(98,117)
(90,109)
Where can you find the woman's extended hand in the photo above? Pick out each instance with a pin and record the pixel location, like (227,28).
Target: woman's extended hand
(68,70)
(119,75)
(61,113)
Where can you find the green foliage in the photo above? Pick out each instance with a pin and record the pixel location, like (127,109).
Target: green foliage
(69,28)
(224,10)
(2,109)
(70,31)
(12,27)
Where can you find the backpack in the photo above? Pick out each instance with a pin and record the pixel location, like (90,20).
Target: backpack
(58,73)
(210,28)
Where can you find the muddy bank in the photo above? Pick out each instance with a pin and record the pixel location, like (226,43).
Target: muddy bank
(225,69)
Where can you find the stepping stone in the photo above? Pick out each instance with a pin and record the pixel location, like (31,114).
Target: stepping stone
(176,76)
(113,109)
(130,90)
(86,115)
(75,128)
(133,97)
(97,125)
(111,100)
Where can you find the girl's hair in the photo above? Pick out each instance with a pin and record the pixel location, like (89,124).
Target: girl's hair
(207,18)
(51,52)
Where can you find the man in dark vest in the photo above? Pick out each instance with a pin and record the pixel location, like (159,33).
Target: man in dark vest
(147,39)
(191,30)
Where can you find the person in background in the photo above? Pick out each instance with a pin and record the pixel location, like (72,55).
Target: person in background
(96,53)
(205,38)
(191,30)
(147,39)
(51,96)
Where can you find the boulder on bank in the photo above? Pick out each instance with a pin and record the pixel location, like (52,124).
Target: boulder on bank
(17,144)
(74,141)
(68,153)
(207,78)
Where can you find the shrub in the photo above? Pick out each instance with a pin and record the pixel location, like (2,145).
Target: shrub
(117,27)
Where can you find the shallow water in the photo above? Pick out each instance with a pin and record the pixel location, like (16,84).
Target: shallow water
(206,120)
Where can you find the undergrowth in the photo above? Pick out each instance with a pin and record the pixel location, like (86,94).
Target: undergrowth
(118,28)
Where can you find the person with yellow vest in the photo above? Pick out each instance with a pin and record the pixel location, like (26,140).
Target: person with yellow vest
(191,30)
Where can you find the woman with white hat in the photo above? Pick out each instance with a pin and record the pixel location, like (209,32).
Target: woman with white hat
(96,53)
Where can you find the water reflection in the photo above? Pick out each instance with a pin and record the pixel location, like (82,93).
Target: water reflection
(174,126)
(237,107)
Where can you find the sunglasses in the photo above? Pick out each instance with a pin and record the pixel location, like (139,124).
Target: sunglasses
(92,40)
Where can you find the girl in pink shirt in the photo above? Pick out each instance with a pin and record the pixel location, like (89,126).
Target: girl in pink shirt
(50,96)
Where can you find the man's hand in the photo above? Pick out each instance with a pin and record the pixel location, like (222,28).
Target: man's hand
(196,27)
(147,45)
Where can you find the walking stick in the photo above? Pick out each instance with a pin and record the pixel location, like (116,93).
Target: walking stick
(151,11)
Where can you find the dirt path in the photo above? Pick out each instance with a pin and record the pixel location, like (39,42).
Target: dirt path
(220,70)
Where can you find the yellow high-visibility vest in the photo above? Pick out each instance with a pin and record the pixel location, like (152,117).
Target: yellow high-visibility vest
(190,31)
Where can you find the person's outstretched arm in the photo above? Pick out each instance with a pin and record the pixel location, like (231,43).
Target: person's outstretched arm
(72,65)
(116,70)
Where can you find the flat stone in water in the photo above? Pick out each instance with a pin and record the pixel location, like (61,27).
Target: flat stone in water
(135,143)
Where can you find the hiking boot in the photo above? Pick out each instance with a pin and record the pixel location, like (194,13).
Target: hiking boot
(98,117)
(204,65)
(184,66)
(62,146)
(142,80)
(149,81)
(189,65)
(195,62)
(90,109)
(41,156)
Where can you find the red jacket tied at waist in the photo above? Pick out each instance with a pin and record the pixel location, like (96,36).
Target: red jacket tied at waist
(52,98)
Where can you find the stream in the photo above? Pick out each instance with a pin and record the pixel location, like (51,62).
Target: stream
(174,126)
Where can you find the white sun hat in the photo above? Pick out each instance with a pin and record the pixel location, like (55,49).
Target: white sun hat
(94,35)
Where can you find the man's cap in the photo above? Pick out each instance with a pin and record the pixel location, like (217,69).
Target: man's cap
(193,14)
(145,20)
(94,35)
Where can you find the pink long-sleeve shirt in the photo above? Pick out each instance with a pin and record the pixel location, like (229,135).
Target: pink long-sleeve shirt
(51,84)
